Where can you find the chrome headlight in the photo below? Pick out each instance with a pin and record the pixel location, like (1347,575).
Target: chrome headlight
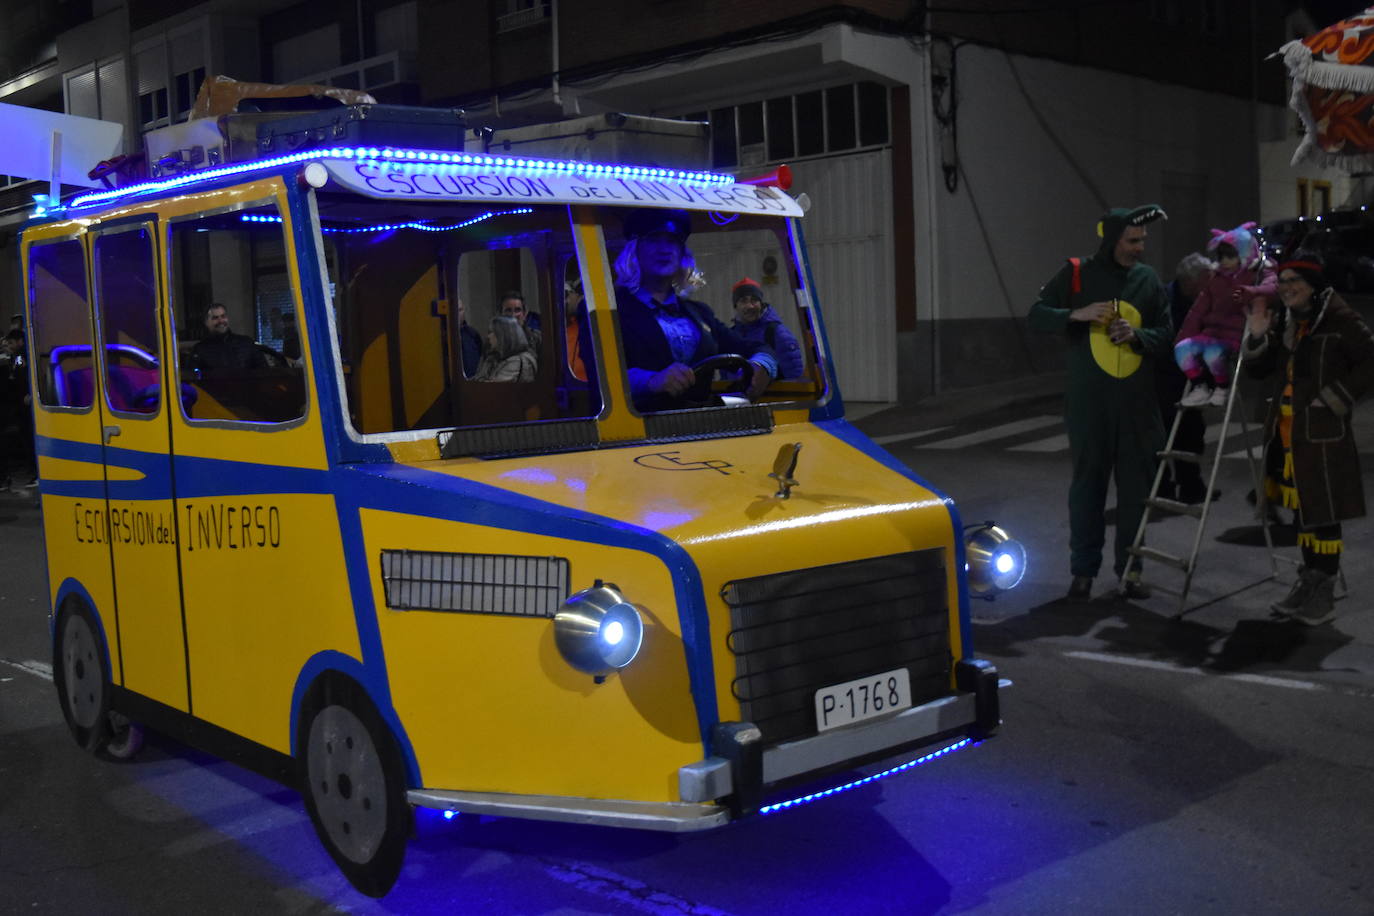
(995,562)
(597,630)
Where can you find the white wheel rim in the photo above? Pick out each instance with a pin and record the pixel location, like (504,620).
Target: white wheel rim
(81,671)
(347,783)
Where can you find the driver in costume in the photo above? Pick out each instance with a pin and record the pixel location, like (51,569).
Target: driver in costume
(1114,314)
(665,333)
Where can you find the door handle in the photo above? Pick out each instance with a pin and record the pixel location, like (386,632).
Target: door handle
(110,432)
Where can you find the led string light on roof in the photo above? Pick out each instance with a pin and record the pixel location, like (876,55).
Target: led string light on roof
(836,790)
(422,226)
(388,154)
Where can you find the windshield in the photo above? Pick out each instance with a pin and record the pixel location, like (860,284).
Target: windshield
(461,315)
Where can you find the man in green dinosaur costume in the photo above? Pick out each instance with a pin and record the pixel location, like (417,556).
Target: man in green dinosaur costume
(1113,312)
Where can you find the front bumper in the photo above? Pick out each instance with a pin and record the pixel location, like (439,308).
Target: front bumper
(741,770)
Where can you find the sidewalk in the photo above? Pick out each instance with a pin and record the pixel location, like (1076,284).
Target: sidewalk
(949,407)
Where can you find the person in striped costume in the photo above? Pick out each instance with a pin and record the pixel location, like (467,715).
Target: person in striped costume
(1319,360)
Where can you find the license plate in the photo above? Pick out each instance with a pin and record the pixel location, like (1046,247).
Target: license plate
(865,698)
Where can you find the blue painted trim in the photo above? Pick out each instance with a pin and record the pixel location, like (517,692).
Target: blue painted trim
(350,667)
(844,431)
(483,504)
(339,447)
(833,409)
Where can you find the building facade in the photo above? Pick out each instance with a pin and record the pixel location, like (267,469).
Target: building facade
(953,155)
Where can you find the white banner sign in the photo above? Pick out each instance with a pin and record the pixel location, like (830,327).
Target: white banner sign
(28,148)
(429,181)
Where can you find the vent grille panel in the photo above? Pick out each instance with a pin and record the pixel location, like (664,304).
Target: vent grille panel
(475,583)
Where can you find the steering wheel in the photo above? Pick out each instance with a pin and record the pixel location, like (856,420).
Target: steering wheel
(721,362)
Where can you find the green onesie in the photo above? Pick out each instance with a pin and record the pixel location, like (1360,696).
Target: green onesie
(1110,406)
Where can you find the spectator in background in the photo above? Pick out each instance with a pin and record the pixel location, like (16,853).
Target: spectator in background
(576,333)
(508,356)
(16,408)
(513,306)
(756,321)
(1183,479)
(470,341)
(1112,311)
(1210,335)
(1318,365)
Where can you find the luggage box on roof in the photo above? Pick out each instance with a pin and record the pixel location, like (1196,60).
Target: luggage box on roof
(364,125)
(205,143)
(611,137)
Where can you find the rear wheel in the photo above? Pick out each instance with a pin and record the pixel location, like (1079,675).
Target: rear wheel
(353,781)
(82,678)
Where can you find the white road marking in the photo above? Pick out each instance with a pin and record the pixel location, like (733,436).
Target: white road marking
(1290,683)
(902,437)
(996,432)
(37,669)
(1059,443)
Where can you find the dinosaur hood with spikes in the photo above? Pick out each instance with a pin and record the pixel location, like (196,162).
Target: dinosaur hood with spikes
(1114,223)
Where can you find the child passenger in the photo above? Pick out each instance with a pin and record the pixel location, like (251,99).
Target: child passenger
(1211,333)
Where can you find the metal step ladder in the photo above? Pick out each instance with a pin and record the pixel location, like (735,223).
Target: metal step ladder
(1154,503)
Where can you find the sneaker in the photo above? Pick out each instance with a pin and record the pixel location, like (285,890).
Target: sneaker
(1297,595)
(1219,396)
(1320,606)
(1080,590)
(1132,588)
(1197,396)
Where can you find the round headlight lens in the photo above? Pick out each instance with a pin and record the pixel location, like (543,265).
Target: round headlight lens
(598,631)
(995,562)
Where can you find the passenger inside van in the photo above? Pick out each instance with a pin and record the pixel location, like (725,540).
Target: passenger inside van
(221,348)
(674,345)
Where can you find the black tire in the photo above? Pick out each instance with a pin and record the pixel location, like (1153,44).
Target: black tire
(82,676)
(353,782)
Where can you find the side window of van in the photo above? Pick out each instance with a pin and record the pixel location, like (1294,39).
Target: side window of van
(454,315)
(60,341)
(238,351)
(126,303)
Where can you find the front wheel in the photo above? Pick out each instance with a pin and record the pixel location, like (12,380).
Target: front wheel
(354,786)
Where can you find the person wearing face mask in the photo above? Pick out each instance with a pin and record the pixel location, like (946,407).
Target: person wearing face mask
(1318,361)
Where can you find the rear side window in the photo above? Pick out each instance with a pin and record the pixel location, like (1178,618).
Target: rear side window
(61,325)
(126,299)
(239,351)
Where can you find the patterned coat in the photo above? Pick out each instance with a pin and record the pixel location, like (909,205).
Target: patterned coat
(1333,364)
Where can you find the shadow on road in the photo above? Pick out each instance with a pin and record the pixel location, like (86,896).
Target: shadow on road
(1128,629)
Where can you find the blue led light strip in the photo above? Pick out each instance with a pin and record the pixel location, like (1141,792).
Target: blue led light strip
(806,799)
(413,156)
(424,227)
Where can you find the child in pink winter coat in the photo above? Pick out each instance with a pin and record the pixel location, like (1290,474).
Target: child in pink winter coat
(1211,333)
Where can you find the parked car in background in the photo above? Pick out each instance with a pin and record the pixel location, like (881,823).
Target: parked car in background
(1344,238)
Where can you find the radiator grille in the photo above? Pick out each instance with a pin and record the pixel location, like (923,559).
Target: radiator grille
(796,632)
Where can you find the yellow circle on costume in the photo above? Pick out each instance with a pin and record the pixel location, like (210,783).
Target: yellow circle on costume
(1117,360)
